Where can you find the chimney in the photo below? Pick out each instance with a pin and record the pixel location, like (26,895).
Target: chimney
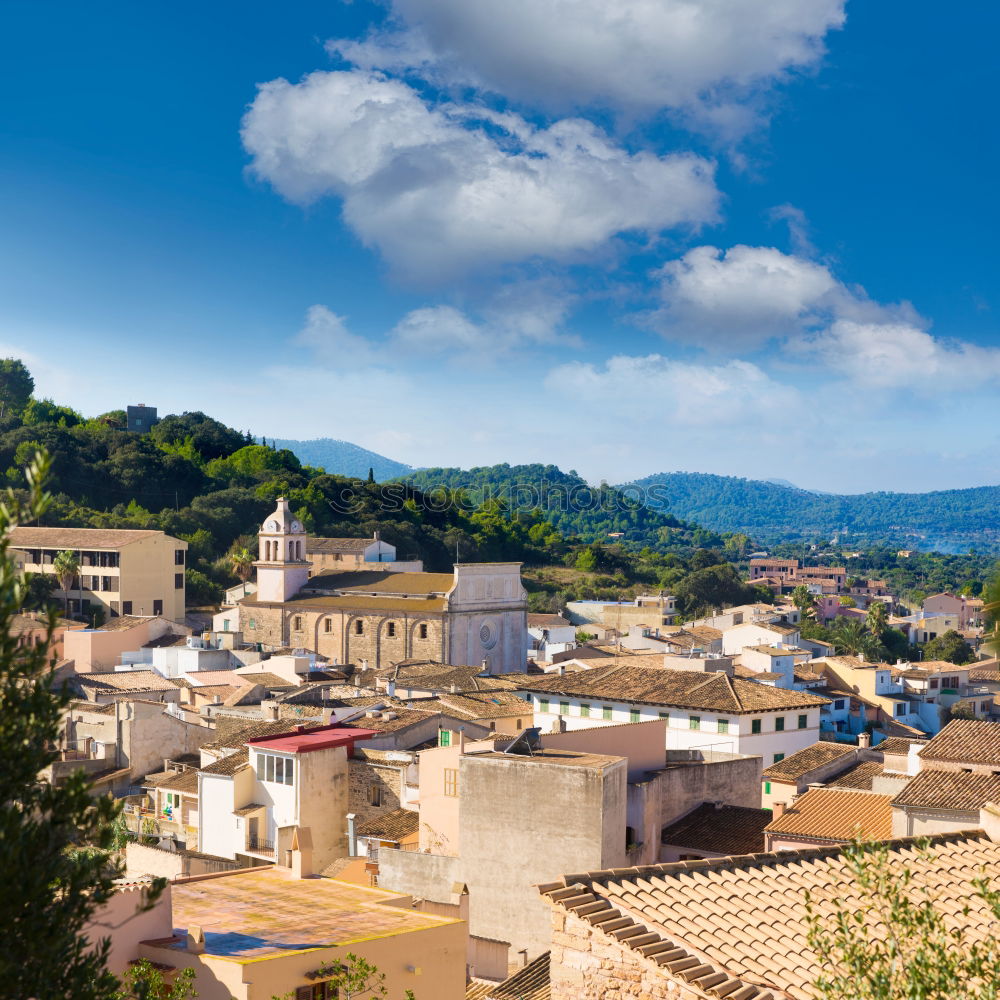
(352,837)
(864,740)
(327,716)
(301,854)
(390,689)
(777,809)
(195,943)
(461,739)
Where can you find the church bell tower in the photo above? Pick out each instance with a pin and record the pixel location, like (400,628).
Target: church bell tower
(282,566)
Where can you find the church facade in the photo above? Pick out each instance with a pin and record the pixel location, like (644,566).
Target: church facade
(475,615)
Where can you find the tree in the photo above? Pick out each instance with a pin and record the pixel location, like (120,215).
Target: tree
(850,636)
(66,567)
(877,618)
(895,943)
(949,646)
(804,600)
(55,840)
(16,386)
(848,602)
(242,559)
(144,981)
(354,979)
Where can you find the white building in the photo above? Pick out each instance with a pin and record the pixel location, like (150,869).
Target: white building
(253,801)
(708,712)
(736,638)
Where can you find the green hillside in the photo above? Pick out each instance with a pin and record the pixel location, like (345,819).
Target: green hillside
(945,520)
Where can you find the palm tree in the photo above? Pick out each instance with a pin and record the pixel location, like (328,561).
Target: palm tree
(850,636)
(241,559)
(67,568)
(804,601)
(877,618)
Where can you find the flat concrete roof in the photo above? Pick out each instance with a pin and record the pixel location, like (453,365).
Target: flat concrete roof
(551,755)
(259,914)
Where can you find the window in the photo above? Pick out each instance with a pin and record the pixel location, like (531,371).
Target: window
(328,625)
(694,722)
(390,629)
(779,724)
(777,757)
(178,581)
(127,610)
(564,708)
(178,557)
(633,715)
(754,726)
(901,709)
(584,709)
(297,623)
(767,787)
(664,715)
(543,704)
(375,795)
(270,767)
(606,713)
(803,721)
(934,683)
(723,725)
(253,622)
(518,723)
(451,781)
(359,627)
(444,737)
(839,704)
(157,607)
(317,991)
(422,631)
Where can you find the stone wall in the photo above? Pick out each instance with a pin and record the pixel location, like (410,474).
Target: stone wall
(362,776)
(423,876)
(589,965)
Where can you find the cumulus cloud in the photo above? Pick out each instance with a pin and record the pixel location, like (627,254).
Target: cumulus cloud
(441,190)
(705,58)
(326,334)
(666,390)
(741,297)
(896,354)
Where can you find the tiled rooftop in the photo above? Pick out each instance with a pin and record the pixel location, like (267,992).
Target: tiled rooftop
(719,829)
(491,705)
(126,680)
(80,538)
(430,675)
(836,814)
(969,741)
(248,915)
(859,777)
(529,983)
(950,790)
(898,746)
(803,761)
(229,764)
(744,918)
(677,688)
(393,825)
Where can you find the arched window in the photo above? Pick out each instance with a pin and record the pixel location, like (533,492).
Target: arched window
(390,629)
(359,627)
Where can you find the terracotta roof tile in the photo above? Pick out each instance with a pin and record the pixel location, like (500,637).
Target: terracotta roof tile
(969,741)
(950,790)
(898,746)
(393,825)
(126,680)
(719,829)
(808,759)
(859,777)
(677,688)
(744,918)
(238,736)
(529,983)
(229,764)
(836,814)
(81,538)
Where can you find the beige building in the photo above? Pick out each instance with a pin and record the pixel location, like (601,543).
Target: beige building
(101,650)
(341,555)
(261,933)
(123,572)
(475,615)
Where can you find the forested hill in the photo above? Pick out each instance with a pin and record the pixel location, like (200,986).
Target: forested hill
(341,458)
(565,499)
(945,520)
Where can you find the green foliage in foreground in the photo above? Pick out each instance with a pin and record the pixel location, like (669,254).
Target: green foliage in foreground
(897,945)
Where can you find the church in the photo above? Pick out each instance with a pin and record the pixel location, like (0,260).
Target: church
(475,615)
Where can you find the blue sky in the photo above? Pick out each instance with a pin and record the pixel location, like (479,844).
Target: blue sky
(750,237)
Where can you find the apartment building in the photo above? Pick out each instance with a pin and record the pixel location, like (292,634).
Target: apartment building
(703,711)
(122,572)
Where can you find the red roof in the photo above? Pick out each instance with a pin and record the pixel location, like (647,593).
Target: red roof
(302,740)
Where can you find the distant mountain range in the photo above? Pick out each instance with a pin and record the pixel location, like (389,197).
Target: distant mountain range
(944,520)
(341,458)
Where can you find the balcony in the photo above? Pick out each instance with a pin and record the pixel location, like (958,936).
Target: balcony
(257,845)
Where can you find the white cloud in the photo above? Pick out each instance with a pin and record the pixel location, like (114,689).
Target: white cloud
(669,392)
(705,58)
(326,334)
(896,354)
(741,297)
(439,192)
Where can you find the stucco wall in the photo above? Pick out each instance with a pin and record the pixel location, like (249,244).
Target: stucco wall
(124,919)
(423,876)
